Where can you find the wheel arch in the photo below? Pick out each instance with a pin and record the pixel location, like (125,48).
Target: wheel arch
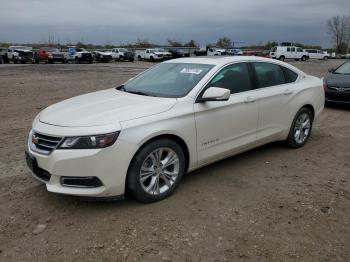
(181,142)
(311,108)
(170,136)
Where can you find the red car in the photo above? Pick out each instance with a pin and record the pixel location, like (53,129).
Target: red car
(50,55)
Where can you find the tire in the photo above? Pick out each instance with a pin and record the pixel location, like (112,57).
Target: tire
(303,58)
(281,58)
(121,58)
(151,59)
(76,60)
(139,58)
(302,125)
(147,190)
(325,58)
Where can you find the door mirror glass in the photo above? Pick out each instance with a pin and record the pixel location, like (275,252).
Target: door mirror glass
(216,94)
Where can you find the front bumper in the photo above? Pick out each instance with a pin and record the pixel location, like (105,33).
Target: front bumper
(108,165)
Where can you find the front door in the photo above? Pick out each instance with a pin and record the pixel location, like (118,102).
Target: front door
(226,127)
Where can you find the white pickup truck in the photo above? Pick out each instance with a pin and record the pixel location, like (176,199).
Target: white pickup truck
(150,55)
(122,54)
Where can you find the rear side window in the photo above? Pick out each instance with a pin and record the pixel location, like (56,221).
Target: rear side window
(269,74)
(234,77)
(290,75)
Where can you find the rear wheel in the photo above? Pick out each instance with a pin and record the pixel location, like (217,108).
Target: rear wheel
(156,170)
(300,130)
(76,60)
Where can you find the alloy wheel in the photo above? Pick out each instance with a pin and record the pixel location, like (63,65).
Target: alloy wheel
(159,171)
(302,128)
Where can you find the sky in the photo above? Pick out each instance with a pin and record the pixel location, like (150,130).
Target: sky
(125,21)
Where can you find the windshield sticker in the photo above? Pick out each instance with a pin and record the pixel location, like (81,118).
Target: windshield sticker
(194,71)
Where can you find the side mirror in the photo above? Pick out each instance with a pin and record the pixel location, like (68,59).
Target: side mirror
(331,70)
(216,94)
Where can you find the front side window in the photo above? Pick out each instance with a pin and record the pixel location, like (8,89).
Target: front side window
(299,50)
(168,80)
(269,74)
(233,77)
(293,49)
(288,49)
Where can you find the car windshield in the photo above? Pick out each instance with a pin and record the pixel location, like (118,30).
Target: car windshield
(123,50)
(343,69)
(168,79)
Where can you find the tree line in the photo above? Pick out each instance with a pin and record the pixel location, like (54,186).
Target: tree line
(338,28)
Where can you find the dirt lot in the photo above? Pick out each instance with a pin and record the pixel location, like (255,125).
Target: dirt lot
(269,204)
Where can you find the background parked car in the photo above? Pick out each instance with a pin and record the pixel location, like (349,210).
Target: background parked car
(3,55)
(177,53)
(202,51)
(337,85)
(150,55)
(102,56)
(20,54)
(122,54)
(288,52)
(234,51)
(78,55)
(317,54)
(49,55)
(216,51)
(166,55)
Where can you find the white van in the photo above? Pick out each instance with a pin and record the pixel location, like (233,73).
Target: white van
(288,52)
(317,54)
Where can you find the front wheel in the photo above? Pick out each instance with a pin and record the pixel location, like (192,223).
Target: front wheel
(300,130)
(303,58)
(156,170)
(325,58)
(281,58)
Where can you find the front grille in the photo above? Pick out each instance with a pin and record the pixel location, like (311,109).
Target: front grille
(85,55)
(43,144)
(340,89)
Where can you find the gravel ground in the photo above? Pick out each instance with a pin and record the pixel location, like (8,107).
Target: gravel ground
(269,204)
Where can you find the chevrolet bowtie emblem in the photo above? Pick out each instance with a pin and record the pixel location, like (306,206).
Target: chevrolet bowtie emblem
(35,139)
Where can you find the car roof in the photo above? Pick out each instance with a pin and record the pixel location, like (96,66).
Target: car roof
(224,60)
(219,60)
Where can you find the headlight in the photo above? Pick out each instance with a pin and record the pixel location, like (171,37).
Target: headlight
(50,56)
(89,142)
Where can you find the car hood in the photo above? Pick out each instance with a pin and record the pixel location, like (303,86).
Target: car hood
(103,108)
(339,80)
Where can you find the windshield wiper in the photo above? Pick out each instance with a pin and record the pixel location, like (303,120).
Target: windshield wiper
(136,92)
(123,89)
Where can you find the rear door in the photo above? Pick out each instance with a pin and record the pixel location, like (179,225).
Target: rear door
(275,93)
(226,127)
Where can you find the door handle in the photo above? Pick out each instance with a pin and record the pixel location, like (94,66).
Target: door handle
(288,92)
(249,99)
